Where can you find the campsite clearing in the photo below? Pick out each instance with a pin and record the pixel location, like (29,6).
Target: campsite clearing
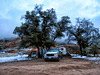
(67,66)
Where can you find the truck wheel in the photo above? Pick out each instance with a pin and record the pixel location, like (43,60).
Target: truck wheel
(45,59)
(58,59)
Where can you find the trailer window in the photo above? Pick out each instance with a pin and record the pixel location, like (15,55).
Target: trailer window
(61,48)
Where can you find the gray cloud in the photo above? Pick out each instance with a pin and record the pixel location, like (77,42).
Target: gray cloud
(12,10)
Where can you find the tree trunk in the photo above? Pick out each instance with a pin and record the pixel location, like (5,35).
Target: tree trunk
(39,56)
(22,38)
(94,54)
(42,52)
(81,50)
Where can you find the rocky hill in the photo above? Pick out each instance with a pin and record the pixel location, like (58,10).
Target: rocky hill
(9,44)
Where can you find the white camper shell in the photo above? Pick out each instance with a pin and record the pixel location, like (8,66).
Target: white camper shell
(63,49)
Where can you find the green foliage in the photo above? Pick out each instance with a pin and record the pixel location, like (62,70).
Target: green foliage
(49,43)
(37,26)
(83,32)
(41,28)
(61,27)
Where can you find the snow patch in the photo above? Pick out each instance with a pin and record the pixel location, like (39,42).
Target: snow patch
(26,49)
(84,57)
(14,58)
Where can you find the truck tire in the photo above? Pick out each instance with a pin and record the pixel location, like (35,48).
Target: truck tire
(58,58)
(45,59)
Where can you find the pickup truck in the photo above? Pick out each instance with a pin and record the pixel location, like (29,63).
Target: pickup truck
(53,54)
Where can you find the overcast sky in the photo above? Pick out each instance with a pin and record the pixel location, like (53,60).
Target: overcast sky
(12,10)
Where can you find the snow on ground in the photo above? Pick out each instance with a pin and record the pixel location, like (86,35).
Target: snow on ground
(24,49)
(14,58)
(84,57)
(9,57)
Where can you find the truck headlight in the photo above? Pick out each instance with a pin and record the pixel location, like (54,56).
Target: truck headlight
(56,54)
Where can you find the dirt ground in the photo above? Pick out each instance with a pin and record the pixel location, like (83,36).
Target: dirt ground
(66,66)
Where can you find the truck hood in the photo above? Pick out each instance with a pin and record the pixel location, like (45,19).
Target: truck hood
(51,52)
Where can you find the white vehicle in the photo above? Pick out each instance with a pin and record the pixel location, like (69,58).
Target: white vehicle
(53,54)
(64,51)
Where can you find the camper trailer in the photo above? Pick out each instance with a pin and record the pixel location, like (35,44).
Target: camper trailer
(63,49)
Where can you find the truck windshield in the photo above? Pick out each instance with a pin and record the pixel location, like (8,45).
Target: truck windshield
(52,50)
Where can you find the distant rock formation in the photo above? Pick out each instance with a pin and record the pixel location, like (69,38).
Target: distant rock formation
(10,44)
